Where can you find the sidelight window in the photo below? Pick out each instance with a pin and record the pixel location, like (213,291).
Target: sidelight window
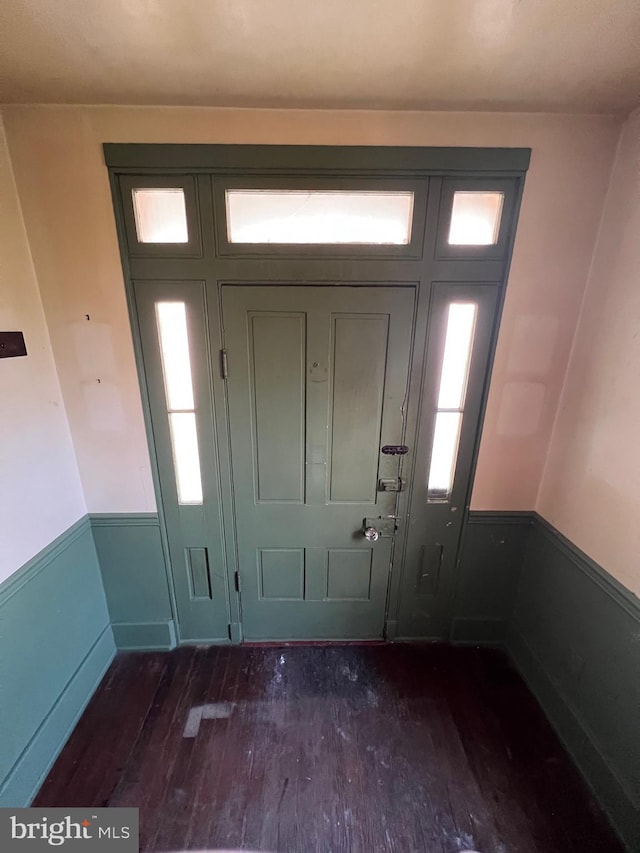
(454,375)
(178,385)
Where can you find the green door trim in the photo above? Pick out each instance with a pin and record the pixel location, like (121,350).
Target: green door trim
(204,162)
(315,159)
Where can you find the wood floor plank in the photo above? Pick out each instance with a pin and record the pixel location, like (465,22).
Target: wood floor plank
(121,705)
(55,789)
(223,749)
(342,748)
(173,823)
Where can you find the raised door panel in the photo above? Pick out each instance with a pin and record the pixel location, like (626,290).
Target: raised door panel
(281,573)
(349,574)
(277,363)
(358,365)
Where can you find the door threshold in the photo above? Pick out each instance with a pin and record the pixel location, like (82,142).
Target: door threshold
(281,643)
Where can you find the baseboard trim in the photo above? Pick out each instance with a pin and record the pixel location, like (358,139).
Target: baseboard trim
(599,776)
(425,640)
(144,636)
(31,768)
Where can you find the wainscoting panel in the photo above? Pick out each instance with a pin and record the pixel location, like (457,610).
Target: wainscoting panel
(571,630)
(56,646)
(134,574)
(575,638)
(489,568)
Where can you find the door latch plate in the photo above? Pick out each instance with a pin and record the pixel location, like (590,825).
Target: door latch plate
(384,526)
(390,484)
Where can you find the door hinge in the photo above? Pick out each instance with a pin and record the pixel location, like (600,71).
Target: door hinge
(236,581)
(224,363)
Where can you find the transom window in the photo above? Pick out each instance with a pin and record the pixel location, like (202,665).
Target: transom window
(475,218)
(160,215)
(319,217)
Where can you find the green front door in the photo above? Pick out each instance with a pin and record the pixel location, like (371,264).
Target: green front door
(367,335)
(317,386)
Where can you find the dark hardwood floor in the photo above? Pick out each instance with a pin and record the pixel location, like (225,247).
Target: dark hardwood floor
(328,748)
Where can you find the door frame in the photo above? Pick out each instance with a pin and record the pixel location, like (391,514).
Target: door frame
(443,168)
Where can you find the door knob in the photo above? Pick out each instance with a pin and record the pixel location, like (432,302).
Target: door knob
(380,527)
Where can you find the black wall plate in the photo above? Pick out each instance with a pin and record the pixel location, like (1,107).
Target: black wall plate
(12,344)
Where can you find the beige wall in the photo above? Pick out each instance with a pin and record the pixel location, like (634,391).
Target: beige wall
(591,485)
(62,180)
(40,493)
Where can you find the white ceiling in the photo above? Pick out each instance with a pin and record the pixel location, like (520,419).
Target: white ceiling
(533,55)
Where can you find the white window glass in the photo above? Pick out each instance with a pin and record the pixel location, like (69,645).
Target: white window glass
(313,217)
(454,375)
(457,352)
(161,215)
(184,440)
(171,320)
(444,452)
(475,218)
(174,350)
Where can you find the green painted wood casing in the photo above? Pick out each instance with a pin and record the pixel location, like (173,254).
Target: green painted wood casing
(204,543)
